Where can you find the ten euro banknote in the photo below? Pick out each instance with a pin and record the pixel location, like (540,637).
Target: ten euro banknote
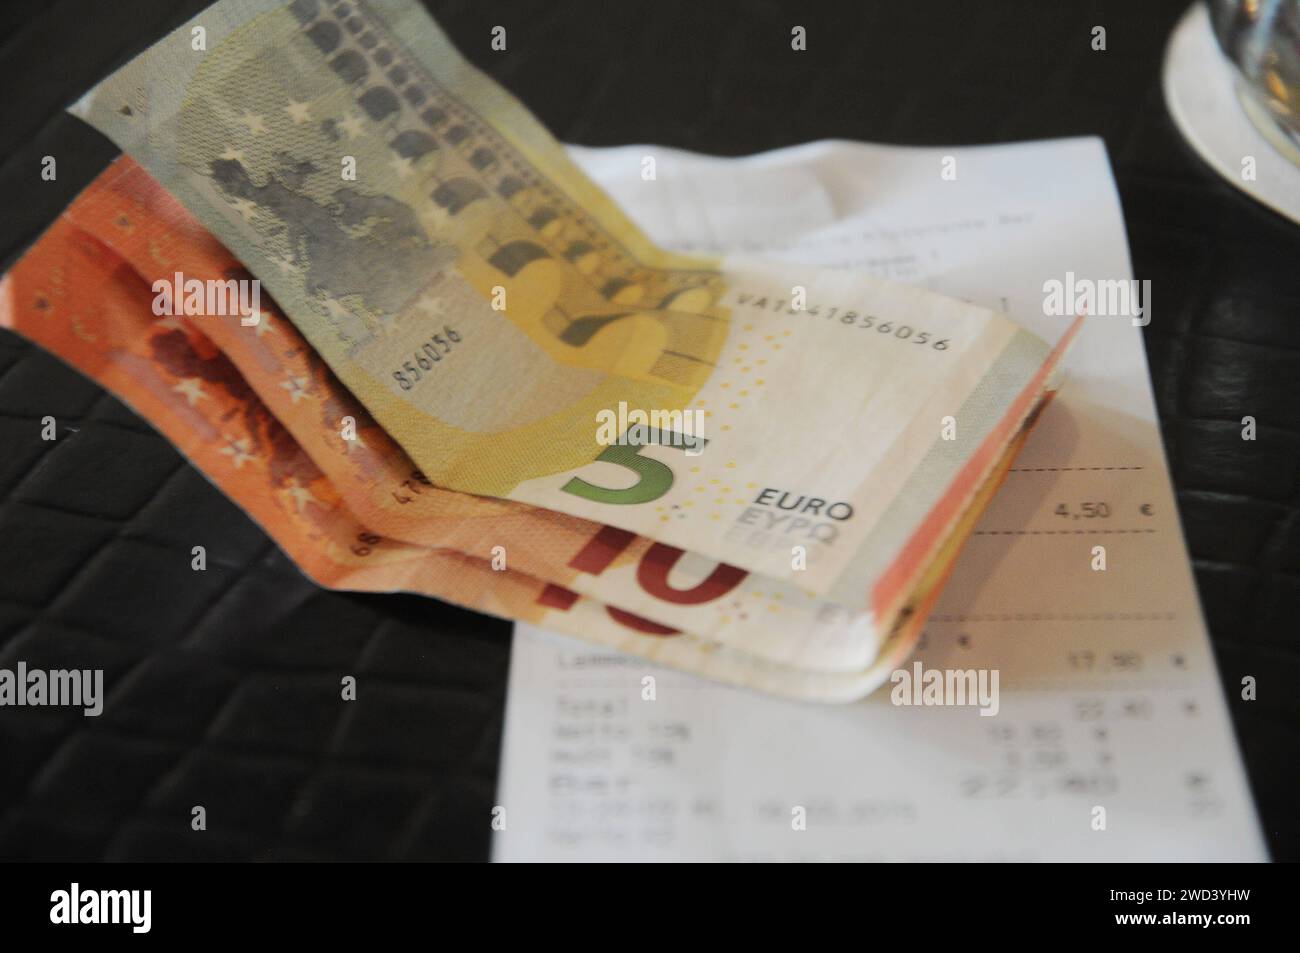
(72,294)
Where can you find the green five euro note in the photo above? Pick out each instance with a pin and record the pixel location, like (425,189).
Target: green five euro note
(519,336)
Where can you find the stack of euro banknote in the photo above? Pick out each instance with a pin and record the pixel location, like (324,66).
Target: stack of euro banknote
(365,292)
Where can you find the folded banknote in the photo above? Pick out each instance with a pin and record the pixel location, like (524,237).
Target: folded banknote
(129,211)
(511,329)
(77,297)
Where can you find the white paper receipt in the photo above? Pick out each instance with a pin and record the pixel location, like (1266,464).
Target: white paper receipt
(1107,737)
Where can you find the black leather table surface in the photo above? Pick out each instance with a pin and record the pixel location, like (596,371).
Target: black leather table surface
(223,686)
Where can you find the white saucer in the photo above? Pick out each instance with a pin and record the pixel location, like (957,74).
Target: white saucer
(1202,96)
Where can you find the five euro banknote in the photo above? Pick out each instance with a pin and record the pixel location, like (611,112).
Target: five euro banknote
(519,338)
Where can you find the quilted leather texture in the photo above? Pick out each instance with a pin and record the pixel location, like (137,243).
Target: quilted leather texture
(223,686)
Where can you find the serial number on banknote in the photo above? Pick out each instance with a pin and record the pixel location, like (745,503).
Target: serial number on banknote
(423,360)
(866,322)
